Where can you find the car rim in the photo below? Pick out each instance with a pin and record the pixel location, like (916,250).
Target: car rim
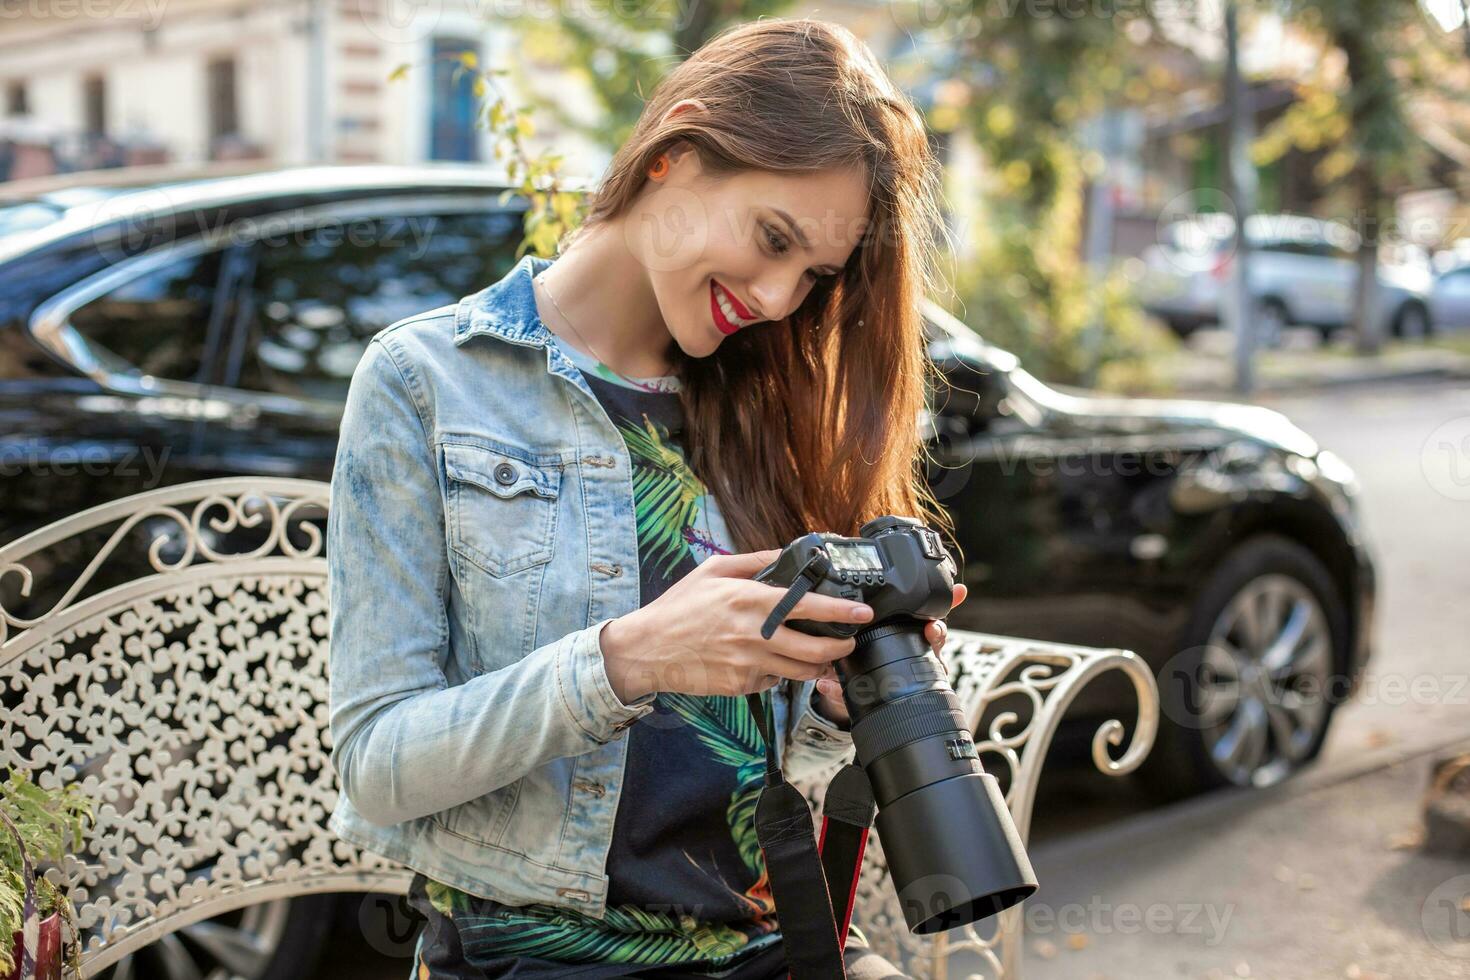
(238,944)
(1263,685)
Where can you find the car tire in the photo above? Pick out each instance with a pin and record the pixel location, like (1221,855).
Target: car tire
(1271,323)
(1202,743)
(292,934)
(1411,322)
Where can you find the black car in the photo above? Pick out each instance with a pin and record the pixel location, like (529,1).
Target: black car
(187,329)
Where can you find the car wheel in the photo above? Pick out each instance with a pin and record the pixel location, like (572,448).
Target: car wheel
(282,939)
(1248,699)
(1412,322)
(1271,323)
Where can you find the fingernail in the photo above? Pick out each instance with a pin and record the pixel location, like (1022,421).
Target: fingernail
(862,613)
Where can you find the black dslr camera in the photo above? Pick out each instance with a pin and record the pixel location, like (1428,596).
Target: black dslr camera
(951,846)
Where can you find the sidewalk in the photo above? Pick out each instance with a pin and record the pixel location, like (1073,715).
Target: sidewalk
(1206,366)
(1313,879)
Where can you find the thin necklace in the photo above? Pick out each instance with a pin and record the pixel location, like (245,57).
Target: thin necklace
(541,278)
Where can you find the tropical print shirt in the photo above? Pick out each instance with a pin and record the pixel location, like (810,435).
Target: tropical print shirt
(687,879)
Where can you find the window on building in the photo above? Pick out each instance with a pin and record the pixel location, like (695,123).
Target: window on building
(453,107)
(224,118)
(94,104)
(17,99)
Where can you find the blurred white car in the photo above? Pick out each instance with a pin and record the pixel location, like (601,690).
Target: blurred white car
(1449,300)
(1302,271)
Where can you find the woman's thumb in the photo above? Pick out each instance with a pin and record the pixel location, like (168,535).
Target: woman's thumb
(748,564)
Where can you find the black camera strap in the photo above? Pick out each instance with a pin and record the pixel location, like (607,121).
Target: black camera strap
(813,883)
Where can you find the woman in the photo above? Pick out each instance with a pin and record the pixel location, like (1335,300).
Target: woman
(550,499)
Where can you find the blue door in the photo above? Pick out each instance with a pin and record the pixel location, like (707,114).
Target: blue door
(452,134)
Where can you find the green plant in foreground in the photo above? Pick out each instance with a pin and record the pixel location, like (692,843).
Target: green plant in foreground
(51,823)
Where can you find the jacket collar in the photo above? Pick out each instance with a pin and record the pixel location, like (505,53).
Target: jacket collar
(506,309)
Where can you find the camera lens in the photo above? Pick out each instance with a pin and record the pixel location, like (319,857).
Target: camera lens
(952,849)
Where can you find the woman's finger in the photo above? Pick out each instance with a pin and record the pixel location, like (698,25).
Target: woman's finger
(937,632)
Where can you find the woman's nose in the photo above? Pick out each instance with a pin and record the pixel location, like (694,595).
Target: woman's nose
(775,295)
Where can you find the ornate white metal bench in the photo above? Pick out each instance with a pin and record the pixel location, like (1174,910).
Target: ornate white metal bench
(188,693)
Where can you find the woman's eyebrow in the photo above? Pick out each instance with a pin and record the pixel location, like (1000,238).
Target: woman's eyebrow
(795,231)
(801,239)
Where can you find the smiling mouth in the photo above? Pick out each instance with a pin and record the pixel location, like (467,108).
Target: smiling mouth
(728,313)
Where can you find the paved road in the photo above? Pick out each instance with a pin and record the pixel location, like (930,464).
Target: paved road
(1410,446)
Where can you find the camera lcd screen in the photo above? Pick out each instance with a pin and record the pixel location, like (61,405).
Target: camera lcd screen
(855,556)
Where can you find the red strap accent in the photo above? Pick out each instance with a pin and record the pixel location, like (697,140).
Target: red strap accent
(852,890)
(852,895)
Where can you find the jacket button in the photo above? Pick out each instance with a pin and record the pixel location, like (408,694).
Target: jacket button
(505,474)
(817,734)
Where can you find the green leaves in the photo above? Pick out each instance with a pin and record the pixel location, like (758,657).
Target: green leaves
(553,212)
(52,823)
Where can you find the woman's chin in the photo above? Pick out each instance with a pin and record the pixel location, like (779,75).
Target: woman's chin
(704,345)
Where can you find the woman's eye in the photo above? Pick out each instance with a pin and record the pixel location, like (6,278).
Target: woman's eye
(779,245)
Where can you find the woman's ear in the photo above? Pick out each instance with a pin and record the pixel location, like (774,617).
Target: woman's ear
(685,105)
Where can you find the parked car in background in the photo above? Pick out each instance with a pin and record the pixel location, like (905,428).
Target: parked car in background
(200,328)
(1449,299)
(1302,272)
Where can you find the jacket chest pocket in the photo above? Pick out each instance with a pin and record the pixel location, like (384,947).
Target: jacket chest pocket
(500,507)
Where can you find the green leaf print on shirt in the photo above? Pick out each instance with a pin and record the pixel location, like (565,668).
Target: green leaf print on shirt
(628,934)
(723,724)
(666,493)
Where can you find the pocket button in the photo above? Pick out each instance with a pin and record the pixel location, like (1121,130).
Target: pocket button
(505,474)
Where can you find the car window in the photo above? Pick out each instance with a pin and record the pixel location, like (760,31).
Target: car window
(157,322)
(1290,247)
(320,294)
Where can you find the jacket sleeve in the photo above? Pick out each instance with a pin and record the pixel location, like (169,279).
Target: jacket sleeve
(815,747)
(405,744)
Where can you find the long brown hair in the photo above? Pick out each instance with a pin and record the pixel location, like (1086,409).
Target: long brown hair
(810,423)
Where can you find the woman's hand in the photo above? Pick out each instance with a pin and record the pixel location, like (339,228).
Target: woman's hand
(829,701)
(703,635)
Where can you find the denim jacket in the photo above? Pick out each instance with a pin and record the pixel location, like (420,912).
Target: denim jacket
(481,534)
